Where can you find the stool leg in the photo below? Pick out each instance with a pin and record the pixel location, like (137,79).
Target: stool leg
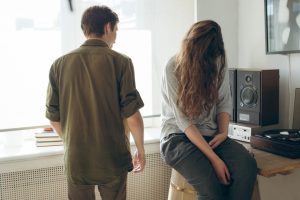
(174,194)
(255,194)
(179,189)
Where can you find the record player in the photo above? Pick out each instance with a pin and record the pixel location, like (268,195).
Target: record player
(284,142)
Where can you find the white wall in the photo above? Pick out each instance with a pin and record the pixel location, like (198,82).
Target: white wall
(226,15)
(169,27)
(251,48)
(242,23)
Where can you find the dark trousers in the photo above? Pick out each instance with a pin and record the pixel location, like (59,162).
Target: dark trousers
(115,190)
(191,163)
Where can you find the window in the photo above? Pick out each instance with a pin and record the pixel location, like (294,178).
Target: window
(34,33)
(30,40)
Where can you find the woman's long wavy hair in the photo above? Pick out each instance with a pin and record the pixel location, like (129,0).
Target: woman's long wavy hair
(200,68)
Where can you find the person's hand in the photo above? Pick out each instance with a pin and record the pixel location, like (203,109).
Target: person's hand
(222,171)
(218,139)
(138,161)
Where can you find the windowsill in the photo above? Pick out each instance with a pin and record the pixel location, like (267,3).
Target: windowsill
(20,145)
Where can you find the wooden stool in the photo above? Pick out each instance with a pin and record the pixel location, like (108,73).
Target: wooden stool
(180,189)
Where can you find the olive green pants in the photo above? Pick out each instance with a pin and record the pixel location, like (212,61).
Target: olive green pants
(115,190)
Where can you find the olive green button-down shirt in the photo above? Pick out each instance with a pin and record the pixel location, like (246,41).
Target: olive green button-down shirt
(91,90)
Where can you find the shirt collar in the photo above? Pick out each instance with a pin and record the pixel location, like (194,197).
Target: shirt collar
(95,42)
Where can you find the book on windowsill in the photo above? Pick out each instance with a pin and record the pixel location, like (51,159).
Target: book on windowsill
(48,144)
(47,137)
(46,134)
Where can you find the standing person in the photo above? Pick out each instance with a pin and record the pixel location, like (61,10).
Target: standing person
(196,110)
(91,94)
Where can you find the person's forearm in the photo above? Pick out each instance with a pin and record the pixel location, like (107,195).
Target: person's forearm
(57,128)
(219,166)
(136,127)
(197,139)
(223,119)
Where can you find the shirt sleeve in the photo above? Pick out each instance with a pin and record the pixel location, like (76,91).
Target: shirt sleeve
(224,103)
(52,101)
(170,85)
(130,99)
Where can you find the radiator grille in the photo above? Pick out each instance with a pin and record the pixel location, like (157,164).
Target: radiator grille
(50,183)
(153,183)
(45,183)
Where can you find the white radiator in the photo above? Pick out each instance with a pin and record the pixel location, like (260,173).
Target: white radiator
(49,183)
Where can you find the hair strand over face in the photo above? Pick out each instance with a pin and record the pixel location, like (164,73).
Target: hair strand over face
(200,68)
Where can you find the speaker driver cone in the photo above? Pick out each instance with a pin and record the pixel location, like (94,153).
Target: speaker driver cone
(249,96)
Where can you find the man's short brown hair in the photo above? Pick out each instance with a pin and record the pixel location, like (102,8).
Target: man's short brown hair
(95,18)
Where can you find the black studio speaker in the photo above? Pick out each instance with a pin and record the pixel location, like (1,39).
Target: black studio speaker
(258,96)
(296,114)
(232,83)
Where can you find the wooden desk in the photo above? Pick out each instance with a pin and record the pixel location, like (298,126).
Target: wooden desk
(269,165)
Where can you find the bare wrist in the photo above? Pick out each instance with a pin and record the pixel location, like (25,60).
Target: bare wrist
(141,150)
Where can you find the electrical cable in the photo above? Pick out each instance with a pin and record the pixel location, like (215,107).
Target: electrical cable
(70,5)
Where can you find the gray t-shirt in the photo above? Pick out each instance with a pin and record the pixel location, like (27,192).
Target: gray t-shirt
(174,121)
